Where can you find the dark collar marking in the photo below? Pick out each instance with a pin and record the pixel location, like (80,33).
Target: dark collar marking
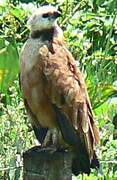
(45,34)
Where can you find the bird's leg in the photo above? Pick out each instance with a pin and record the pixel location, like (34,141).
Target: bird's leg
(56,140)
(47,140)
(51,141)
(55,137)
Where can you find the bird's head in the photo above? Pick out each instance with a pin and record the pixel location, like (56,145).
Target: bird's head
(44,18)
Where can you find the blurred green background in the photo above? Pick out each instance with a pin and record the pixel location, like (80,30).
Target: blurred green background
(90,29)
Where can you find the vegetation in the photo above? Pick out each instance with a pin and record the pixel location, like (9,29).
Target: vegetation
(90,28)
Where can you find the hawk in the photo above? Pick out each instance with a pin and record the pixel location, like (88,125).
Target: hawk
(55,93)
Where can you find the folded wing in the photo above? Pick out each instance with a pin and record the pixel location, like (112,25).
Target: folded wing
(67,92)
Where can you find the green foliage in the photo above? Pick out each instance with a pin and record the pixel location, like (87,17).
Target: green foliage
(9,62)
(91,34)
(15,132)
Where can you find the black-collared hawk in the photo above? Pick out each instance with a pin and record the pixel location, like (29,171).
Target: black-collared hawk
(55,93)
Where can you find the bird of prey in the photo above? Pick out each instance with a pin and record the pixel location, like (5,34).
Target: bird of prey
(55,93)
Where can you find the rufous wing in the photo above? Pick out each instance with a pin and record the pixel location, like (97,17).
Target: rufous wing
(68,94)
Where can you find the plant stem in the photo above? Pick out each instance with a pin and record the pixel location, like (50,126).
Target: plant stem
(110,34)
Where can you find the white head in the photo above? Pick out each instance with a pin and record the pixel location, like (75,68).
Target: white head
(44,18)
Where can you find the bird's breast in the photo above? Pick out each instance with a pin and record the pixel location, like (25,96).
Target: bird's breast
(34,86)
(34,92)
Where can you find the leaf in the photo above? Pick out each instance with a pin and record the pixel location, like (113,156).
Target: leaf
(106,92)
(18,13)
(9,63)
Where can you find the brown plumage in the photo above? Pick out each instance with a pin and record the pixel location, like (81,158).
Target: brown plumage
(55,93)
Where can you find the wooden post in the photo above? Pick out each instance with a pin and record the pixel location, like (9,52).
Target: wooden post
(40,164)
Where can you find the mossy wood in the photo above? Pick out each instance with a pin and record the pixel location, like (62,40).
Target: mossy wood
(40,164)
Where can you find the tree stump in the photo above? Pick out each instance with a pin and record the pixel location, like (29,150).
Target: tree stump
(42,164)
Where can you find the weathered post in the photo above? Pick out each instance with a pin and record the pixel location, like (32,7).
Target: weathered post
(40,164)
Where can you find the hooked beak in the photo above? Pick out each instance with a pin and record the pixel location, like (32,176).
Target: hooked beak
(57,14)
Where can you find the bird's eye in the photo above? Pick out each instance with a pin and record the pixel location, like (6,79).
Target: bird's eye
(46,15)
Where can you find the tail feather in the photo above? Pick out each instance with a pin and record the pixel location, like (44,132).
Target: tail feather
(95,163)
(80,165)
(83,165)
(81,160)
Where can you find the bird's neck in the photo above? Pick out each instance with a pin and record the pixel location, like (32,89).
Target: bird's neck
(48,34)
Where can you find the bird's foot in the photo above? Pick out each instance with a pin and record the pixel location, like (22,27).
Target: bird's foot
(51,142)
(50,148)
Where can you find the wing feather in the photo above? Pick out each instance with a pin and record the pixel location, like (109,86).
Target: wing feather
(66,81)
